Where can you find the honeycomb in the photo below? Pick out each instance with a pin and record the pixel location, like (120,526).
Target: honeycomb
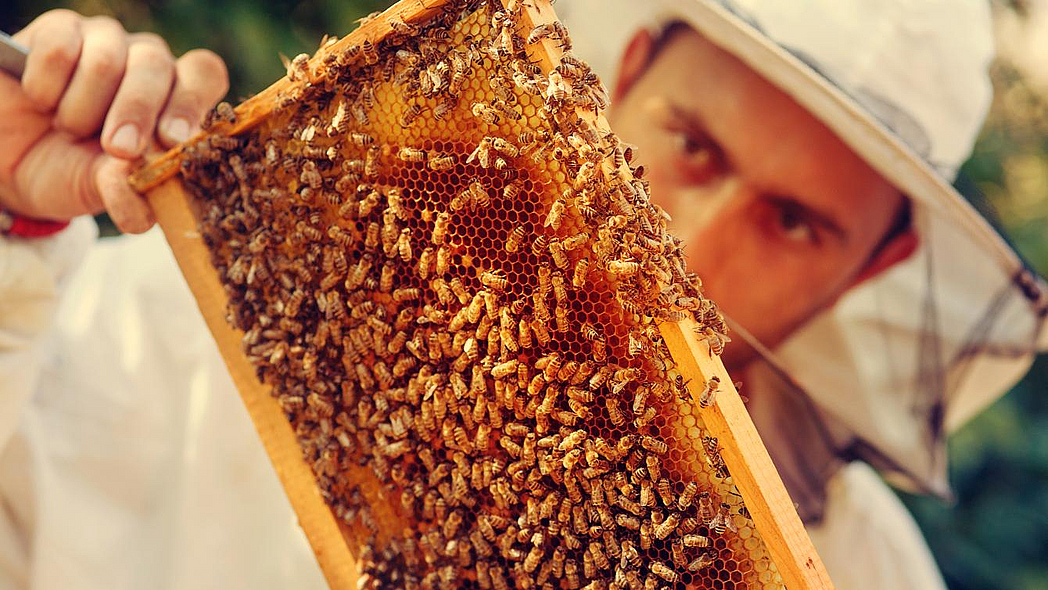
(451,280)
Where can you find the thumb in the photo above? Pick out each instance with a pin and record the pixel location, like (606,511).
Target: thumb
(129,210)
(56,179)
(61,178)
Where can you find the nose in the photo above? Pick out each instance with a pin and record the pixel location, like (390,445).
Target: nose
(698,207)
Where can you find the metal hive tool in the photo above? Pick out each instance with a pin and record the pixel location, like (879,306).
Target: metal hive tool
(470,347)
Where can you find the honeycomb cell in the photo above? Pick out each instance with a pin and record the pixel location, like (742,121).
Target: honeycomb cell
(522,429)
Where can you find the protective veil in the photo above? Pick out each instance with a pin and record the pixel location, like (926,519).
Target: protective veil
(906,357)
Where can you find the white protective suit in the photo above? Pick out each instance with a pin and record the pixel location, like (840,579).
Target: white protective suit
(127,460)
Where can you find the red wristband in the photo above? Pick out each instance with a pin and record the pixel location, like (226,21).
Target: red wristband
(18,226)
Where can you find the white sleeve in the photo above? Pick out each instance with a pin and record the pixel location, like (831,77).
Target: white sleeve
(868,539)
(31,274)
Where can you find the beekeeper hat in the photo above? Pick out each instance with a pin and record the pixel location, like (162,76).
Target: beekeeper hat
(921,348)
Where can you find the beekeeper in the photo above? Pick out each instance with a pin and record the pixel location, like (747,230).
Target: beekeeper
(804,150)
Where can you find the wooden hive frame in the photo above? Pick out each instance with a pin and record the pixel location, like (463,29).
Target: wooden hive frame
(726,418)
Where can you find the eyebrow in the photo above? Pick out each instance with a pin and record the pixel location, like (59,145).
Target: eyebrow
(693,122)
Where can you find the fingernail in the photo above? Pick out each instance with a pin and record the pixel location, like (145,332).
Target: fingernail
(126,139)
(177,130)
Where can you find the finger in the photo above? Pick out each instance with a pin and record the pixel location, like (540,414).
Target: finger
(55,179)
(54,40)
(128,209)
(147,82)
(96,79)
(201,80)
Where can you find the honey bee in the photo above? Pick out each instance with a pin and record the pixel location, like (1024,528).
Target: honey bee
(372,162)
(482,153)
(478,194)
(353,168)
(623,268)
(709,392)
(486,113)
(556,252)
(340,120)
(408,30)
(404,245)
(663,529)
(515,239)
(368,204)
(614,412)
(360,113)
(409,154)
(687,496)
(713,456)
(507,110)
(494,280)
(310,175)
(663,571)
(701,562)
(599,349)
(459,290)
(425,262)
(560,289)
(348,55)
(531,561)
(571,573)
(443,261)
(511,190)
(505,147)
(723,521)
(439,162)
(362,140)
(390,233)
(370,54)
(556,214)
(693,540)
(654,445)
(411,114)
(403,365)
(443,291)
(297,68)
(505,369)
(545,30)
(440,227)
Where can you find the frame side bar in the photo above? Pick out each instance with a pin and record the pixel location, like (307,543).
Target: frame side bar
(748,461)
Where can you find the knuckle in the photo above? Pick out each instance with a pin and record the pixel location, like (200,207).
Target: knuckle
(105,64)
(62,16)
(60,56)
(153,57)
(152,39)
(208,64)
(40,95)
(78,126)
(110,24)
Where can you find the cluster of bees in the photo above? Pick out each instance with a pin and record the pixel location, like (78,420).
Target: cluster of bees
(452,279)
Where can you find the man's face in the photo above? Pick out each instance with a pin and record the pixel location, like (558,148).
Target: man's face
(778,216)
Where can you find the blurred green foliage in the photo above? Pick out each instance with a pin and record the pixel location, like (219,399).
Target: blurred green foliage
(996,534)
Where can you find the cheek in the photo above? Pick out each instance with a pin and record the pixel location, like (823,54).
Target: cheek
(761,287)
(663,191)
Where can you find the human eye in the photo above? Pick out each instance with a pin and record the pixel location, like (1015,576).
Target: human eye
(694,152)
(793,223)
